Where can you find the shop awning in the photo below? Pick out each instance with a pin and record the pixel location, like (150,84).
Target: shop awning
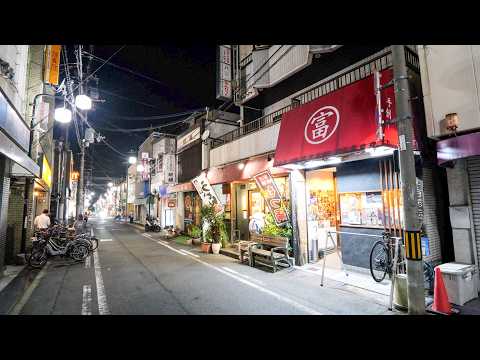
(180,188)
(340,122)
(458,147)
(13,152)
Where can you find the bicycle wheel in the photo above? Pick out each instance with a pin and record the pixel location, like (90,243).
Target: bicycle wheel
(38,258)
(379,261)
(429,275)
(79,252)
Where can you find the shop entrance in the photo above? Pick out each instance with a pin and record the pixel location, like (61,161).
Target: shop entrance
(322,214)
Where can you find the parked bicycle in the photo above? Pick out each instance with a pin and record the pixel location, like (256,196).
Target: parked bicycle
(382,258)
(58,240)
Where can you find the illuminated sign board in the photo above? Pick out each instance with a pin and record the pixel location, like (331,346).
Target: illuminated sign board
(46,172)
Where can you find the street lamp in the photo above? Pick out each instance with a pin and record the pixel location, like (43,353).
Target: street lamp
(63,115)
(132,160)
(110,184)
(83,102)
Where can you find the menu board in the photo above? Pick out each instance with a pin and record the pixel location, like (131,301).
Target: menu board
(361,208)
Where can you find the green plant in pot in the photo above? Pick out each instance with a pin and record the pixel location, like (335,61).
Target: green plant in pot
(215,229)
(272,229)
(196,234)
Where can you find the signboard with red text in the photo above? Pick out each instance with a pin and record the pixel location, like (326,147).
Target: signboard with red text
(272,196)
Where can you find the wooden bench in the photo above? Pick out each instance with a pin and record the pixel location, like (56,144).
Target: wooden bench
(244,250)
(271,251)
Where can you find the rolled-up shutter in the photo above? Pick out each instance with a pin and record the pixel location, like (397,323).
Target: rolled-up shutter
(474,180)
(430,214)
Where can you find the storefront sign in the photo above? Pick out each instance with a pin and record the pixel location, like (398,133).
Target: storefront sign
(188,139)
(172,203)
(339,122)
(224,72)
(169,164)
(52,64)
(272,196)
(46,172)
(206,192)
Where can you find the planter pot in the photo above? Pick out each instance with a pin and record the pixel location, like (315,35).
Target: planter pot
(197,241)
(189,241)
(216,248)
(206,247)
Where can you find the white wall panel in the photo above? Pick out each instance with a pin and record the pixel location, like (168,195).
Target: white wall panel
(450,81)
(257,143)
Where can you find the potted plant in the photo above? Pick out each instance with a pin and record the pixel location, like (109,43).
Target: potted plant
(215,230)
(196,234)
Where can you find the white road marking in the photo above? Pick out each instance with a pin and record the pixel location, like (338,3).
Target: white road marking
(253,285)
(101,296)
(147,235)
(28,293)
(189,253)
(115,229)
(243,275)
(88,262)
(87,300)
(100,228)
(106,240)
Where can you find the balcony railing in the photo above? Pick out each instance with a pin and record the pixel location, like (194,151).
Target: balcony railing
(255,125)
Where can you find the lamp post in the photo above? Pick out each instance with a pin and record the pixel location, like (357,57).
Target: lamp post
(62,116)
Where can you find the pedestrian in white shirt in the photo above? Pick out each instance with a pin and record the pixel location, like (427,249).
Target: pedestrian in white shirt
(42,221)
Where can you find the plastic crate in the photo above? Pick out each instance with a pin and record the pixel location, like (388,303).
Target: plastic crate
(461,282)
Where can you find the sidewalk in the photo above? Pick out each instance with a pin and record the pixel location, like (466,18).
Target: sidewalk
(13,285)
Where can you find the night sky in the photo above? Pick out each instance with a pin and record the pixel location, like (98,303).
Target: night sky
(184,80)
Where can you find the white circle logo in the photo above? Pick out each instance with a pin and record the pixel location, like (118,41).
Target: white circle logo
(321,125)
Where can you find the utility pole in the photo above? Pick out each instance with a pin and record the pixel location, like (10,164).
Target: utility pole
(413,249)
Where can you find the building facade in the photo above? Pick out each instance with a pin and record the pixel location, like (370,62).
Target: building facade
(26,157)
(340,184)
(450,81)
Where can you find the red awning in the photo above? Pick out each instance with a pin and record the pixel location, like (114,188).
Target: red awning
(339,122)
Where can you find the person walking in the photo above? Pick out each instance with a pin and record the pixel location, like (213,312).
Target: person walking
(42,221)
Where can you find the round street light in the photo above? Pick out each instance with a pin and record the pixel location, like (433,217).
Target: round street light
(83,102)
(63,115)
(132,160)
(110,184)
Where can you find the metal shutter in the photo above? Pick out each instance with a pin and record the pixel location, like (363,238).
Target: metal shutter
(430,211)
(474,180)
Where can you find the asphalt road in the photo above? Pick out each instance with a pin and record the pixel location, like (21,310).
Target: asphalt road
(133,273)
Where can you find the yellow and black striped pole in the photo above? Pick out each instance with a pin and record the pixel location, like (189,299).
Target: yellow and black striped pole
(413,245)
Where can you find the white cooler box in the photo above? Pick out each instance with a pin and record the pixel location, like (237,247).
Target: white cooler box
(461,281)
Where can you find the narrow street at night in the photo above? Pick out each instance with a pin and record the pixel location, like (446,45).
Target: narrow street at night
(138,274)
(227,179)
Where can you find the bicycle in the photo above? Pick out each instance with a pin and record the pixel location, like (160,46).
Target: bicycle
(382,258)
(77,249)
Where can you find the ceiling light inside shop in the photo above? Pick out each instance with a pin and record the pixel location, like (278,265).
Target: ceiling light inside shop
(241,166)
(380,151)
(293,166)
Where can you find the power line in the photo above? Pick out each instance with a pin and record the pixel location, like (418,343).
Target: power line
(265,63)
(129,99)
(94,57)
(153,117)
(106,61)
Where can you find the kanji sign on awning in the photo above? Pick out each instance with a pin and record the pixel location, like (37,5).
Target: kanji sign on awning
(339,122)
